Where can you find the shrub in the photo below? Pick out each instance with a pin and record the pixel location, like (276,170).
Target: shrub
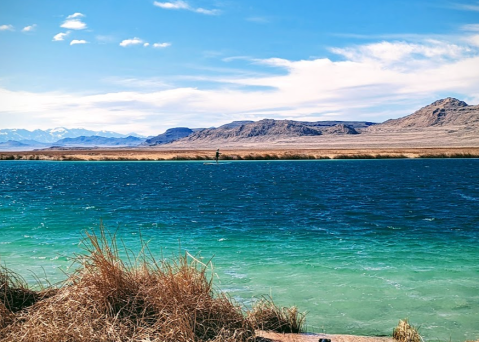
(107,299)
(265,315)
(404,332)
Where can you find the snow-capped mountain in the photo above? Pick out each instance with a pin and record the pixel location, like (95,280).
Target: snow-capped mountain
(55,134)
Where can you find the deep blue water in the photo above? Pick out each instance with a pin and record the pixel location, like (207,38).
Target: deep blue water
(359,244)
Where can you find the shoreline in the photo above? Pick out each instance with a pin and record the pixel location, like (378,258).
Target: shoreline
(269,336)
(142,154)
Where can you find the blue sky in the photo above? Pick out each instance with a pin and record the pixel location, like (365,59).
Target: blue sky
(146,66)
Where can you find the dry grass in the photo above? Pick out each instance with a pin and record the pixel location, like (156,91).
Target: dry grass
(6,317)
(404,332)
(15,294)
(144,300)
(265,315)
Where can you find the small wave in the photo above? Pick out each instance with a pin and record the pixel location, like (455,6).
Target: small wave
(469,198)
(222,239)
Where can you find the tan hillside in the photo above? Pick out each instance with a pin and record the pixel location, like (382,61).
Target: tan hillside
(448,112)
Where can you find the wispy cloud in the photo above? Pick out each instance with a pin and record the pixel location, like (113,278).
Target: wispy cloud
(172,5)
(183,5)
(404,54)
(77,41)
(132,41)
(75,15)
(467,7)
(105,39)
(145,83)
(259,20)
(361,85)
(6,28)
(161,45)
(60,36)
(207,11)
(74,23)
(29,28)
(471,27)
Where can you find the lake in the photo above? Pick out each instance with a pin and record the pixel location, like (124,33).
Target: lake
(359,244)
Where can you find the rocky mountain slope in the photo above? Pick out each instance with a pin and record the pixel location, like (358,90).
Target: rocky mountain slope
(449,112)
(269,130)
(170,135)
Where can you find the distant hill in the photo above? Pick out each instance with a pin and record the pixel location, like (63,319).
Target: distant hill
(94,140)
(12,143)
(444,113)
(23,145)
(52,135)
(340,129)
(269,129)
(170,135)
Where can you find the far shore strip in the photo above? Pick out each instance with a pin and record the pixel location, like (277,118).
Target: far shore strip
(154,154)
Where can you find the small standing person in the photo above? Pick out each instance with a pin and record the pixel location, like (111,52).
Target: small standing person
(217,155)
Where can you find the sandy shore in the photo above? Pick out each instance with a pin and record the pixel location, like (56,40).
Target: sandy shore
(153,154)
(275,337)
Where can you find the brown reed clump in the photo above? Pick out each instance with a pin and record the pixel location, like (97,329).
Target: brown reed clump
(6,317)
(107,299)
(404,332)
(15,294)
(265,315)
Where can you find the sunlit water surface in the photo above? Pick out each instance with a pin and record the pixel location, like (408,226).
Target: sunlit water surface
(357,244)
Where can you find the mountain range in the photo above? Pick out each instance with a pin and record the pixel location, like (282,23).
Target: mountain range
(448,118)
(50,136)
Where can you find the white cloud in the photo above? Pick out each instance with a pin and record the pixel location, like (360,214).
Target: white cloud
(133,41)
(145,83)
(183,5)
(474,40)
(75,15)
(73,23)
(76,41)
(172,5)
(366,85)
(29,28)
(146,44)
(401,54)
(161,45)
(207,11)
(60,36)
(6,28)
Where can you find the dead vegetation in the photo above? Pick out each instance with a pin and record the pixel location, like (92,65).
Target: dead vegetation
(404,332)
(141,299)
(266,315)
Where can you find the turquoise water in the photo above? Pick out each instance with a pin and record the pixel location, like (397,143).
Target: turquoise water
(358,244)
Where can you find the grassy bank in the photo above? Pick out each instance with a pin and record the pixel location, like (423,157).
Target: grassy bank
(239,154)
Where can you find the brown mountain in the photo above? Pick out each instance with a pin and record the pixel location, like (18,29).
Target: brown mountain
(449,112)
(263,129)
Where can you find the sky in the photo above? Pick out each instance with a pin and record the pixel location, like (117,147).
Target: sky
(145,66)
